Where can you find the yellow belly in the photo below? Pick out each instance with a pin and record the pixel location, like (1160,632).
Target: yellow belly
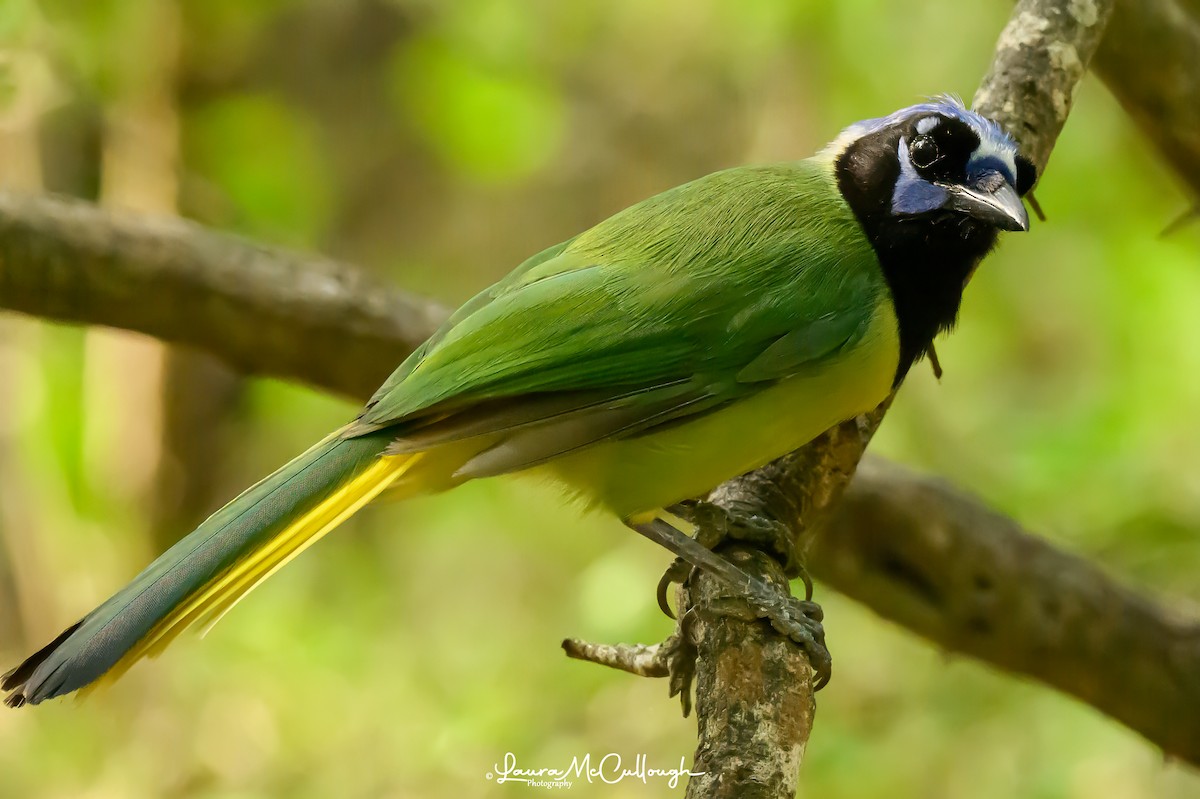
(642,474)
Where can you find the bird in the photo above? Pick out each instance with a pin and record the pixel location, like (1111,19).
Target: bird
(690,338)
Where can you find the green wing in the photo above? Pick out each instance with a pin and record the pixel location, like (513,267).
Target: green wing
(510,282)
(673,308)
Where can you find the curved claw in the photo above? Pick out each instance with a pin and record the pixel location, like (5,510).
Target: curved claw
(801,624)
(664,584)
(814,645)
(677,572)
(808,584)
(822,675)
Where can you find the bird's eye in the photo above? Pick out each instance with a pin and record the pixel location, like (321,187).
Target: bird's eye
(923,152)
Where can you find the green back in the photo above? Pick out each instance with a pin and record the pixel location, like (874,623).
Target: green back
(691,298)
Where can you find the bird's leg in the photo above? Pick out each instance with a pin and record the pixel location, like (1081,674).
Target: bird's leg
(799,620)
(709,536)
(934,363)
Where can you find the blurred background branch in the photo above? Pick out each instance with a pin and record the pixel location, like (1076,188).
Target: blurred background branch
(940,563)
(262,310)
(1150,61)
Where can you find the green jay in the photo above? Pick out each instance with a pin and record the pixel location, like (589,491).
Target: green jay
(690,338)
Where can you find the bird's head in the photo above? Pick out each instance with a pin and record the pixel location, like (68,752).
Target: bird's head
(932,185)
(936,163)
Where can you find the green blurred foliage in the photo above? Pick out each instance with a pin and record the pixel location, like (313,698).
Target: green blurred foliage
(268,163)
(439,143)
(492,125)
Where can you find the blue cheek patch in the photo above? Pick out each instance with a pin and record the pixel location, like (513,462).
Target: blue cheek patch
(913,194)
(917,197)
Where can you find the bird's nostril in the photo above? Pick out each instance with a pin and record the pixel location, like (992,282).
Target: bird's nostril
(990,181)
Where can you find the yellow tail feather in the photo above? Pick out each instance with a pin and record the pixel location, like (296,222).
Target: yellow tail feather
(214,600)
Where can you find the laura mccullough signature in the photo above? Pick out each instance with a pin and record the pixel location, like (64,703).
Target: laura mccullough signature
(609,769)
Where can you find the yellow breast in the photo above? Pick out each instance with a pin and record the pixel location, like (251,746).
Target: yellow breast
(641,474)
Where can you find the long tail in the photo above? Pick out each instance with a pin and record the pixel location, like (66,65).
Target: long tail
(206,573)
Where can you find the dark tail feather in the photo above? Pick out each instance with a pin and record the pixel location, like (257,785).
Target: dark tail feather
(204,574)
(21,674)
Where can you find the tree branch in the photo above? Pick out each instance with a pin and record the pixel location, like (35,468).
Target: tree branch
(263,310)
(275,313)
(754,692)
(1041,56)
(1150,60)
(940,563)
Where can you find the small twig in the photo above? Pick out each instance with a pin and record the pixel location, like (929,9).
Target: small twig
(674,658)
(641,659)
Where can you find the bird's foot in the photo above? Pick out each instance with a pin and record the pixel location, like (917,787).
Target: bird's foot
(798,620)
(716,524)
(679,652)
